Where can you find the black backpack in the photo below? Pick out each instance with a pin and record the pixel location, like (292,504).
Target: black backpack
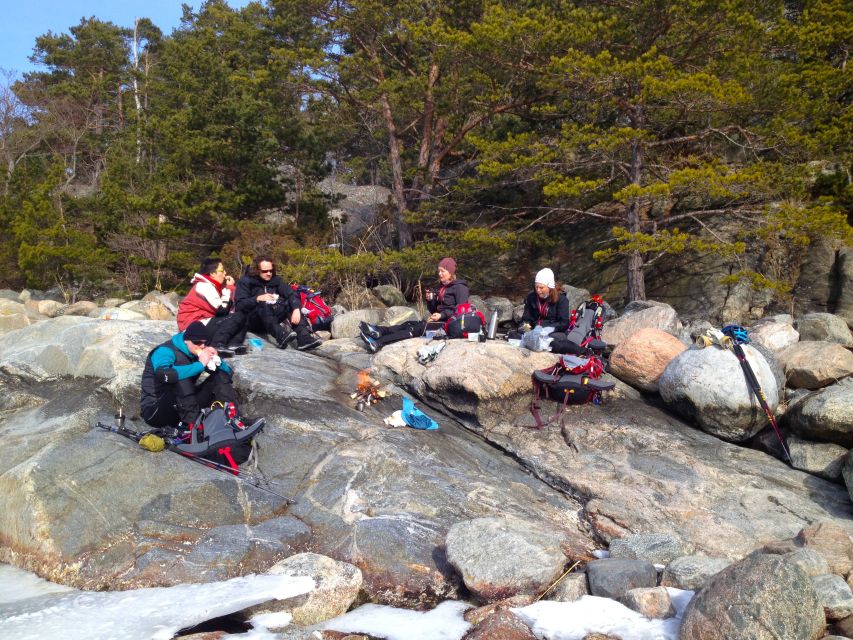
(583,336)
(571,380)
(221,437)
(465,321)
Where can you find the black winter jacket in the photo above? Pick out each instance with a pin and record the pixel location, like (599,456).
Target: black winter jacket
(552,315)
(446,298)
(250,287)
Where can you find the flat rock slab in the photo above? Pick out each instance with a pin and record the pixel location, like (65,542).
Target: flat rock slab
(639,469)
(379,498)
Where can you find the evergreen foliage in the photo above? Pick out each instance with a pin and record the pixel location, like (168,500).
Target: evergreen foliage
(495,124)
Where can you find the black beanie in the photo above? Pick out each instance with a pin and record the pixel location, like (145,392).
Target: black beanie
(197,332)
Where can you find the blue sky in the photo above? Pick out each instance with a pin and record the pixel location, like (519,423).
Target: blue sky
(23,20)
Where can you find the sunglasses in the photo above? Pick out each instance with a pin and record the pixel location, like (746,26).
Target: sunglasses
(266,270)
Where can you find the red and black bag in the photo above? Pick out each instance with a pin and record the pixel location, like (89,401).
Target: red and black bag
(584,333)
(571,380)
(218,435)
(465,320)
(319,313)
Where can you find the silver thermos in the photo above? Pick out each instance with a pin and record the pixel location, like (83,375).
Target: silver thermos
(492,327)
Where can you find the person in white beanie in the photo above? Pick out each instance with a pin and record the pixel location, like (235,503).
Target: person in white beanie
(546,305)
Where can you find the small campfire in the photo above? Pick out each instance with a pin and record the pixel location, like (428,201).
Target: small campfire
(367,392)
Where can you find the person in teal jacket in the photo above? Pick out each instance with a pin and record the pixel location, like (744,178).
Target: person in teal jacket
(171,393)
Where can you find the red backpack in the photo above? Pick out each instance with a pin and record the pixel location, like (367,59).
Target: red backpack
(465,320)
(318,312)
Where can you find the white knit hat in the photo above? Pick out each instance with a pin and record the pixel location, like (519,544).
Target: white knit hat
(546,277)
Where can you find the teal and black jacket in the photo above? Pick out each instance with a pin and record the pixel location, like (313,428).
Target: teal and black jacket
(167,364)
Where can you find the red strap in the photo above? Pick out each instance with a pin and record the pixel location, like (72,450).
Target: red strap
(226,451)
(543,311)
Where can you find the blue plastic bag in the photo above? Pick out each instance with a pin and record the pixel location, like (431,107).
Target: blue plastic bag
(416,418)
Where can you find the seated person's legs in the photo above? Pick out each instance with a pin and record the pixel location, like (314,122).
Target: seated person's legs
(163,414)
(305,339)
(376,337)
(267,318)
(216,388)
(228,330)
(186,401)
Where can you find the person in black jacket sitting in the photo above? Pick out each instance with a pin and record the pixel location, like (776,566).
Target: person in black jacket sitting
(170,393)
(273,307)
(546,306)
(441,302)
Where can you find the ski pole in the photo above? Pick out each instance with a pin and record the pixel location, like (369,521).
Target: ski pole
(752,382)
(248,478)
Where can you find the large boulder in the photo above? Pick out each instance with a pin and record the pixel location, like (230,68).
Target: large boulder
(774,335)
(822,459)
(76,347)
(398,315)
(337,586)
(8,294)
(50,308)
(12,321)
(655,315)
(692,572)
(640,359)
(657,548)
(151,309)
(79,308)
(503,557)
(708,386)
(389,295)
(835,596)
(824,327)
(832,542)
(762,597)
(812,365)
(652,602)
(613,578)
(485,381)
(503,307)
(12,307)
(345,325)
(114,313)
(825,415)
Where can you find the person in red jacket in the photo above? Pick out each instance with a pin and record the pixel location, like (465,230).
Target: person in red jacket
(210,301)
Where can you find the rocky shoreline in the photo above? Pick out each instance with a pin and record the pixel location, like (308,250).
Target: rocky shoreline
(675,473)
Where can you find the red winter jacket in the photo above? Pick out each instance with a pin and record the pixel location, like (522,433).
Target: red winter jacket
(204,301)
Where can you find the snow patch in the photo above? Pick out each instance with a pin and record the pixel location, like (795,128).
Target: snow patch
(43,611)
(445,622)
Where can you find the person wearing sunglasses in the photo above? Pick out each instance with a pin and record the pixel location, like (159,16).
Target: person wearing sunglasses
(211,301)
(171,392)
(273,307)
